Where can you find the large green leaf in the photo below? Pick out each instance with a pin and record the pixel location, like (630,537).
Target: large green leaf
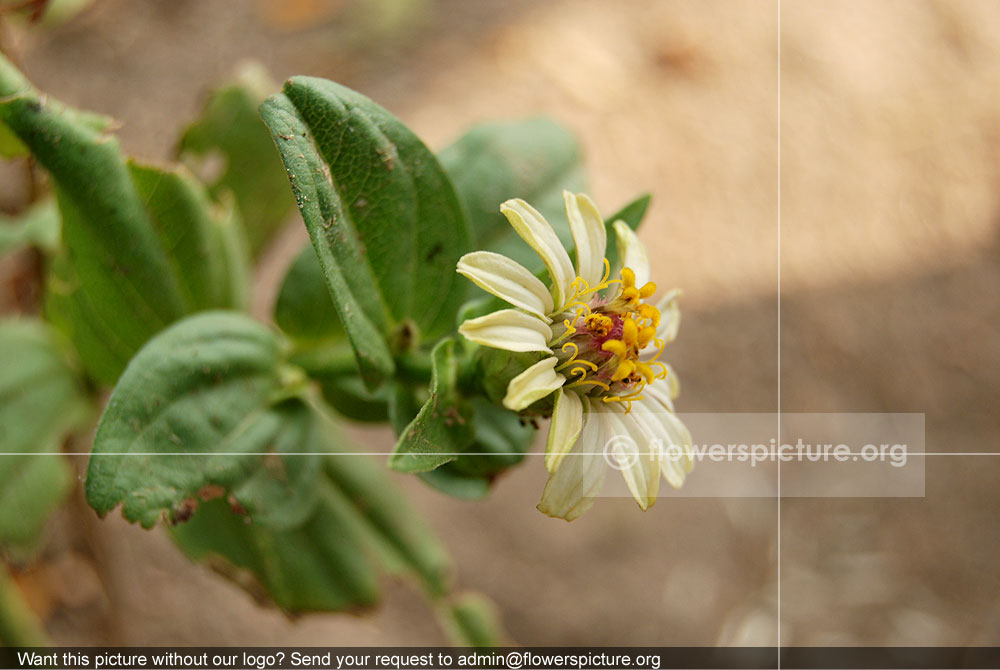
(320,565)
(232,149)
(42,398)
(113,247)
(534,159)
(68,307)
(384,219)
(304,309)
(395,528)
(143,246)
(500,441)
(443,426)
(203,240)
(193,409)
(330,559)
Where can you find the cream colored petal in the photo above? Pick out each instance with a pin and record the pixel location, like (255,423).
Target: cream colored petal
(533,384)
(508,280)
(638,462)
(536,231)
(670,316)
(676,454)
(589,235)
(508,329)
(567,422)
(572,488)
(631,252)
(673,383)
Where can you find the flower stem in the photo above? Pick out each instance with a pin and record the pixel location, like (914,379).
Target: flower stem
(19,627)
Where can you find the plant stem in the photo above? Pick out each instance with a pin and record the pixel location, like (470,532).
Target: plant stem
(19,627)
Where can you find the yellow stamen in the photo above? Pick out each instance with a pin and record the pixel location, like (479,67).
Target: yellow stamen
(581,382)
(646,371)
(630,332)
(648,289)
(599,325)
(628,278)
(625,368)
(630,294)
(617,347)
(650,313)
(646,335)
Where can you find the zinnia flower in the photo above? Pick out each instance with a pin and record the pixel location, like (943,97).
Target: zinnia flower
(613,395)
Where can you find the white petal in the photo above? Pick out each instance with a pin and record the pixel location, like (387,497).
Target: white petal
(536,231)
(638,462)
(508,280)
(572,488)
(533,384)
(567,421)
(631,252)
(676,455)
(670,316)
(673,383)
(508,329)
(589,234)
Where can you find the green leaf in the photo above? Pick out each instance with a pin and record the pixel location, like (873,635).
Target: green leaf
(383,217)
(352,400)
(192,410)
(534,159)
(500,442)
(127,271)
(632,214)
(68,307)
(203,240)
(283,491)
(42,399)
(329,561)
(304,309)
(117,258)
(318,566)
(232,149)
(496,367)
(451,481)
(37,226)
(401,536)
(443,426)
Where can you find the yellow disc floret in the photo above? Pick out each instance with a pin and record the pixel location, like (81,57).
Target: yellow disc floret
(603,337)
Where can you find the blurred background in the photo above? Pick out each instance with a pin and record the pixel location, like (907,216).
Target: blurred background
(889,117)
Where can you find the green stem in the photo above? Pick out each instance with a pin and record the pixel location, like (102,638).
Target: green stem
(12,82)
(19,627)
(330,361)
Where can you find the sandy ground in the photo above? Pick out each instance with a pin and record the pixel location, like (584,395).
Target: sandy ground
(889,123)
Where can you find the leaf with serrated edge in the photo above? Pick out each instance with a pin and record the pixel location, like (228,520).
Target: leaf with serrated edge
(443,426)
(191,410)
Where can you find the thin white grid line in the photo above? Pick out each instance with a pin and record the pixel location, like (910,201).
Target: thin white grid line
(448,453)
(779,336)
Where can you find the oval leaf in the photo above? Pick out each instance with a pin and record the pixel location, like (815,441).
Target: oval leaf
(384,218)
(191,410)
